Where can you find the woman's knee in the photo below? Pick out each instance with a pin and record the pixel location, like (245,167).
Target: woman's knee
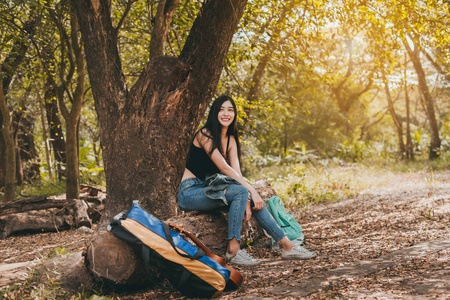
(236,190)
(240,189)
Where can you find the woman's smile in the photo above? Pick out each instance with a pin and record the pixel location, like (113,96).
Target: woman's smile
(226,114)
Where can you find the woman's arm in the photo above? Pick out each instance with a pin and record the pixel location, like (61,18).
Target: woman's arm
(233,156)
(226,169)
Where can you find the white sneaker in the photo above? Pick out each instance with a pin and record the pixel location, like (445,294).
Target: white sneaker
(276,245)
(298,242)
(297,252)
(242,258)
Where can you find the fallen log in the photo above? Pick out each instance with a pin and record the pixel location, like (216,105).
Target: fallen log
(110,258)
(34,203)
(42,214)
(11,274)
(37,221)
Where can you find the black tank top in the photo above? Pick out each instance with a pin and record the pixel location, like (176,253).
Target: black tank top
(199,162)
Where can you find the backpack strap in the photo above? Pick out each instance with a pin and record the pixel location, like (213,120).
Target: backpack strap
(197,255)
(235,277)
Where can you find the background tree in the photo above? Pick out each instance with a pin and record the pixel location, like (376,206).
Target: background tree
(9,154)
(17,40)
(71,50)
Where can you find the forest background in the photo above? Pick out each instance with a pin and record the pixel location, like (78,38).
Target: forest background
(319,84)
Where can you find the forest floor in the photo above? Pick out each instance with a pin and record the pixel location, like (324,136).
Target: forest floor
(391,241)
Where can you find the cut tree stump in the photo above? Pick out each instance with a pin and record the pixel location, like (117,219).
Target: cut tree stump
(111,258)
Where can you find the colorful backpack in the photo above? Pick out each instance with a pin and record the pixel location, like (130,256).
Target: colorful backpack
(186,267)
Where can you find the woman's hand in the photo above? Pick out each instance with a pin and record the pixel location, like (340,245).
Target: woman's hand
(257,200)
(248,212)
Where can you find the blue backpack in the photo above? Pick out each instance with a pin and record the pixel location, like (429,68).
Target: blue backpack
(186,267)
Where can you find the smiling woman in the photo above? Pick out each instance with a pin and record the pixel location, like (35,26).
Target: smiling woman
(226,114)
(213,179)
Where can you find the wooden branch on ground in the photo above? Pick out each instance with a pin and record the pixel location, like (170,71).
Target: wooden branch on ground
(35,203)
(42,214)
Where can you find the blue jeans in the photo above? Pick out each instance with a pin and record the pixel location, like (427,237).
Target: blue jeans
(191,196)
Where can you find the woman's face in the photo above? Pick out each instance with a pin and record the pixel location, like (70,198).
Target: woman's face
(226,114)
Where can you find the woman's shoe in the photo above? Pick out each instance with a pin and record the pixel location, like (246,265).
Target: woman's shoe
(242,258)
(297,252)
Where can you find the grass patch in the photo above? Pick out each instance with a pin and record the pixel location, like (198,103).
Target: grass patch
(39,188)
(302,184)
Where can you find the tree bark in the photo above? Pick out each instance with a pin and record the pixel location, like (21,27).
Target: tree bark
(43,220)
(145,131)
(255,87)
(54,94)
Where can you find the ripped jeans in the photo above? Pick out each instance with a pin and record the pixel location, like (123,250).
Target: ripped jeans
(191,196)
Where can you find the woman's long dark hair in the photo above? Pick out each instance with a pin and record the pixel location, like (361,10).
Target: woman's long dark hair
(215,128)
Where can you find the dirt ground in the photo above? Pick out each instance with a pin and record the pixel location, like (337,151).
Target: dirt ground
(406,210)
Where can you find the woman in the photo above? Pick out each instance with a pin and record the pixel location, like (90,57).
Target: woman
(216,150)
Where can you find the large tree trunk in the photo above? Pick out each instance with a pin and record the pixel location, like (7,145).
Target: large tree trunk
(435,142)
(145,131)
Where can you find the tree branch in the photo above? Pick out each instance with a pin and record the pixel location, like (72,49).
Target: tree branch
(436,65)
(124,17)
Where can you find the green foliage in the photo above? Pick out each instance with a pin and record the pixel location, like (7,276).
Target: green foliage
(39,188)
(311,106)
(302,184)
(58,251)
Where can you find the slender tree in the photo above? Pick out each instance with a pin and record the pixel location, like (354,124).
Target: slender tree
(414,55)
(395,119)
(409,143)
(10,155)
(9,68)
(72,46)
